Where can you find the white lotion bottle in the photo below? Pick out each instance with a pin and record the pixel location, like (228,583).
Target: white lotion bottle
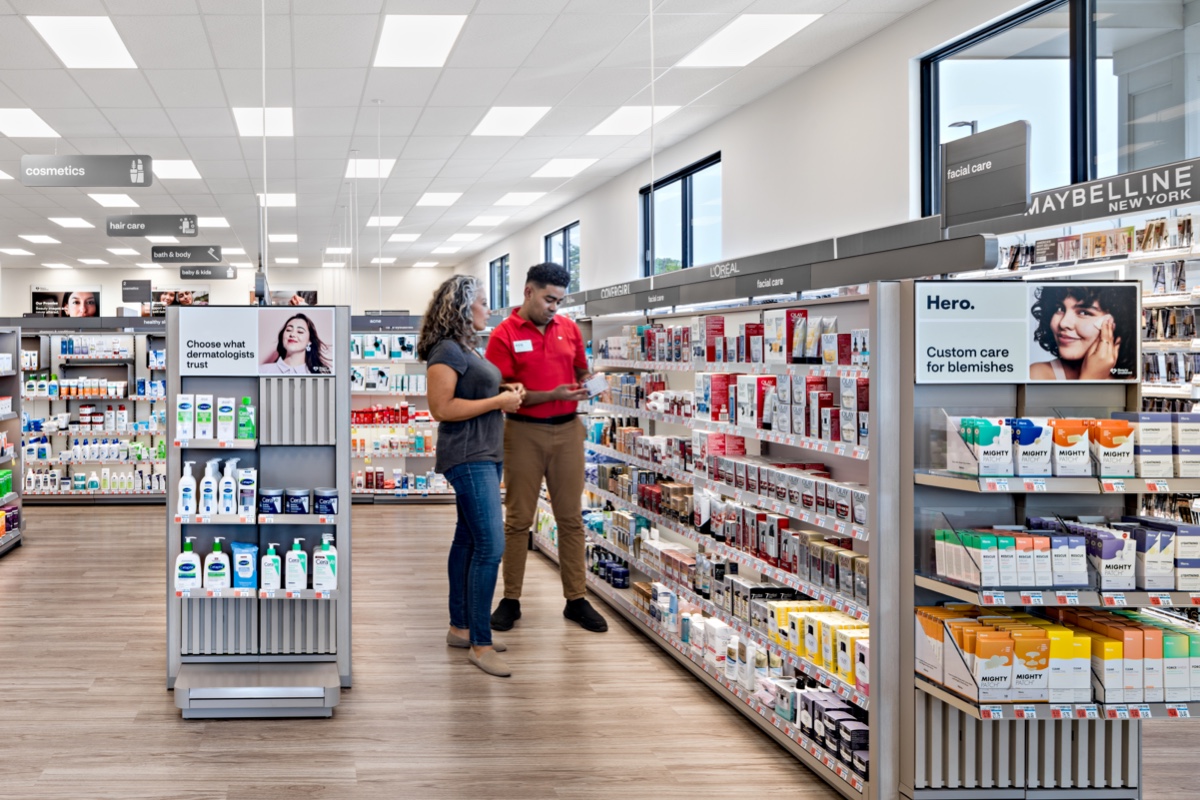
(271,574)
(296,567)
(187,568)
(216,567)
(187,491)
(208,487)
(325,566)
(227,491)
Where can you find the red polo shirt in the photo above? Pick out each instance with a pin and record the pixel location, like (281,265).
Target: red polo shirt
(540,361)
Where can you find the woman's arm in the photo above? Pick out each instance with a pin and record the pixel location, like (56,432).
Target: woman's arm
(441,381)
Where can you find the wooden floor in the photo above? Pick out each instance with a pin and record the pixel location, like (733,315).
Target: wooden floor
(85,713)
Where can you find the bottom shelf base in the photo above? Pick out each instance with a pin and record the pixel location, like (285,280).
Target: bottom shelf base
(222,691)
(10,540)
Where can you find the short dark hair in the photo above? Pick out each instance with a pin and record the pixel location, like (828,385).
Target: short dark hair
(548,274)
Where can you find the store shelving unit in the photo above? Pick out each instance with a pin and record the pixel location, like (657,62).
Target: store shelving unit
(10,427)
(256,652)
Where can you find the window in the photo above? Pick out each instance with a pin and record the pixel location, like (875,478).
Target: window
(562,247)
(681,218)
(498,270)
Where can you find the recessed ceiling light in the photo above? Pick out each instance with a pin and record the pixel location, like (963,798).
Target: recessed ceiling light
(4,176)
(287,261)
(14,251)
(84,42)
(631,120)
(426,264)
(485,222)
(747,38)
(150,266)
(16,123)
(37,238)
(446,250)
(233,251)
(386,260)
(370,167)
(439,198)
(57,266)
(337,251)
(162,240)
(114,200)
(404,237)
(93,262)
(281,238)
(241,264)
(464,237)
(72,222)
(250,121)
(123,251)
(509,120)
(278,200)
(564,167)
(333,264)
(383,222)
(520,198)
(417,40)
(212,222)
(171,169)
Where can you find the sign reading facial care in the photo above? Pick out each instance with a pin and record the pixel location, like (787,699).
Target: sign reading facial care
(1027,332)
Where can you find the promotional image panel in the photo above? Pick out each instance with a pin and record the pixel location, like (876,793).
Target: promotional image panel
(162,297)
(293,342)
(256,341)
(83,301)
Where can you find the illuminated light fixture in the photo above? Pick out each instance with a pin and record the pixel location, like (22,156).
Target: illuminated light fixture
(338,251)
(4,176)
(520,198)
(564,167)
(417,40)
(509,120)
(241,264)
(387,260)
(287,260)
(485,222)
(212,222)
(233,251)
(123,251)
(404,237)
(114,200)
(746,39)
(439,198)
(14,251)
(445,250)
(175,170)
(370,167)
(150,266)
(57,266)
(37,238)
(250,121)
(383,222)
(162,240)
(278,200)
(92,262)
(84,42)
(23,123)
(282,238)
(333,264)
(631,120)
(464,237)
(426,264)
(71,222)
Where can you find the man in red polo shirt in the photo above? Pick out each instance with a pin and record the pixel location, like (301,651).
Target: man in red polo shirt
(543,352)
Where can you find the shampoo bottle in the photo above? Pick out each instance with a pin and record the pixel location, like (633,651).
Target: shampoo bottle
(227,492)
(271,575)
(325,565)
(208,488)
(187,567)
(187,491)
(216,567)
(296,567)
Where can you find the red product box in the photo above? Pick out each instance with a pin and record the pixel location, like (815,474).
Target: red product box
(752,521)
(831,424)
(794,316)
(735,445)
(752,391)
(817,402)
(845,353)
(718,398)
(712,327)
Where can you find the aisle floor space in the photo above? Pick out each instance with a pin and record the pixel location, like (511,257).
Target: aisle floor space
(87,714)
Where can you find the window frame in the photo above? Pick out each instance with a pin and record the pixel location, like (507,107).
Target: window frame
(562,258)
(1081,33)
(498,287)
(687,208)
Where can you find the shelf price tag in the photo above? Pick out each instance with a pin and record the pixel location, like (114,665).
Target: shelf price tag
(1117,712)
(183,593)
(1025,712)
(1157,486)
(1060,712)
(267,594)
(994,484)
(991,712)
(1113,485)
(1140,711)
(1178,710)
(1035,484)
(1161,599)
(266,519)
(1114,599)
(1032,599)
(214,592)
(992,598)
(1089,711)
(1067,598)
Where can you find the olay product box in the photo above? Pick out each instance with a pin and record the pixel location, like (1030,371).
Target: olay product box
(752,391)
(855,394)
(818,404)
(713,330)
(753,342)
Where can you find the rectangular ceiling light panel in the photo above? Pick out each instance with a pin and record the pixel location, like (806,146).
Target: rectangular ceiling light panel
(464,237)
(383,261)
(746,39)
(445,250)
(72,222)
(509,120)
(337,251)
(564,167)
(84,42)
(439,198)
(212,222)
(250,121)
(520,198)
(170,169)
(23,123)
(425,264)
(37,238)
(123,251)
(370,167)
(631,120)
(282,238)
(92,262)
(417,40)
(162,240)
(114,200)
(14,251)
(485,222)
(383,222)
(404,237)
(278,200)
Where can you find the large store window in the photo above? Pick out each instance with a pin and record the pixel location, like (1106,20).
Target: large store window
(681,218)
(562,247)
(498,271)
(1108,87)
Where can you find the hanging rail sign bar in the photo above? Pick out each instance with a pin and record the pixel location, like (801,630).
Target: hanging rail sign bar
(193,254)
(152,225)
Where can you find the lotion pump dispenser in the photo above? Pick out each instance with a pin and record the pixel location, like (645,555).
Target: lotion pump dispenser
(208,488)
(187,567)
(216,567)
(227,494)
(187,491)
(296,567)
(271,572)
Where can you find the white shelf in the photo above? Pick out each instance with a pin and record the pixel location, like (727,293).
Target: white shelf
(53,462)
(93,493)
(261,594)
(396,456)
(214,519)
(365,393)
(1050,485)
(216,444)
(6,417)
(298,519)
(827,521)
(678,473)
(1172,391)
(1170,344)
(11,497)
(391,425)
(744,367)
(416,361)
(7,373)
(88,398)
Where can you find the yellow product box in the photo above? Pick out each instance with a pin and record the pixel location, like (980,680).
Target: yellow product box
(930,641)
(1108,670)
(847,639)
(994,659)
(830,627)
(777,619)
(1081,667)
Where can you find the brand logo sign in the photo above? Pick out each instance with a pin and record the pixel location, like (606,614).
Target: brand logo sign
(620,290)
(1160,187)
(726,269)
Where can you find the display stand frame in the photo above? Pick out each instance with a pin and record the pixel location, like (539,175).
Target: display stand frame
(10,423)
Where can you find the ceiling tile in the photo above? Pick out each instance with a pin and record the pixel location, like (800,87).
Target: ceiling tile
(344,6)
(679,87)
(431,146)
(608,87)
(485,147)
(243,87)
(592,147)
(401,87)
(187,88)
(116,88)
(116,7)
(448,121)
(633,7)
(322,147)
(580,41)
(429,6)
(215,149)
(60,7)
(469,87)
(825,38)
(46,88)
(334,41)
(22,48)
(221,169)
(573,121)
(498,40)
(237,42)
(700,6)
(203,121)
(231,186)
(465,168)
(158,42)
(140,121)
(324,168)
(747,84)
(541,86)
(881,6)
(415,168)
(72,122)
(328,87)
(326,121)
(483,7)
(538,147)
(242,7)
(794,6)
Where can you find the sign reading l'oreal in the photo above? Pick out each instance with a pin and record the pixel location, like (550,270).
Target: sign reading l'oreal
(1027,332)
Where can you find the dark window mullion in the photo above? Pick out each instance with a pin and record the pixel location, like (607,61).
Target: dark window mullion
(685,222)
(1083,90)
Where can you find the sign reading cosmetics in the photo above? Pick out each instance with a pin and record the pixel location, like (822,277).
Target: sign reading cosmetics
(256,341)
(1027,332)
(113,171)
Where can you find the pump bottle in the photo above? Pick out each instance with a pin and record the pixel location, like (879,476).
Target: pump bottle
(216,567)
(325,565)
(208,488)
(187,567)
(227,492)
(296,567)
(271,573)
(187,491)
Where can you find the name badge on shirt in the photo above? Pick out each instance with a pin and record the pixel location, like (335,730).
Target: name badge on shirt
(523,345)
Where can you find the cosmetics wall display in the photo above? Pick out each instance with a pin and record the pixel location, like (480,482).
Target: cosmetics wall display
(383,346)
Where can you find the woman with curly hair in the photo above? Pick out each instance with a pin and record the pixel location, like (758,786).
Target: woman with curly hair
(466,397)
(1089,329)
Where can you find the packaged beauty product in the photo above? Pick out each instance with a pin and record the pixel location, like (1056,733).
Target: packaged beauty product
(204,416)
(245,565)
(185,417)
(226,419)
(1071,455)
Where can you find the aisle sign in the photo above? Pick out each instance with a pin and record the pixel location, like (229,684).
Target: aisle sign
(207,273)
(152,225)
(190,254)
(986,176)
(78,170)
(979,332)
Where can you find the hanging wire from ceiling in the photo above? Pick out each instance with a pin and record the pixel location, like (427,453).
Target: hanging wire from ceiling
(263,211)
(650,198)
(379,192)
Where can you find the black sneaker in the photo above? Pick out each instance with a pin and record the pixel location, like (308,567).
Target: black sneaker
(506,614)
(581,611)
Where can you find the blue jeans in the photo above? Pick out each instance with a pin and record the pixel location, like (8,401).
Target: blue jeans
(477,548)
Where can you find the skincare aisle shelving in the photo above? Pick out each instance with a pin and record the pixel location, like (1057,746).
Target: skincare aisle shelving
(12,528)
(393,436)
(95,422)
(258,520)
(729,500)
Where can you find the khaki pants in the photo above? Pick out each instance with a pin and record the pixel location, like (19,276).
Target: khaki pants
(533,452)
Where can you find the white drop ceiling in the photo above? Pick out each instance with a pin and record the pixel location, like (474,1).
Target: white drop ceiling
(199,59)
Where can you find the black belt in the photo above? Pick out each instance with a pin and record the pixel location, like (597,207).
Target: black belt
(561,419)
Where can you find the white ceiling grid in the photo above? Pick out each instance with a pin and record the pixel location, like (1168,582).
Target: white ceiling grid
(198,59)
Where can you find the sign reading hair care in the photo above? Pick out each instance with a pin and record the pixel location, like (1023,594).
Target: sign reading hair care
(1027,332)
(256,341)
(80,301)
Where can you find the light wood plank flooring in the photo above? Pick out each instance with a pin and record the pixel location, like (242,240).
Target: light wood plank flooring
(85,713)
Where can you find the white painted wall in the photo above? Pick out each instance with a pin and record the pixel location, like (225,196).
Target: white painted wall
(835,151)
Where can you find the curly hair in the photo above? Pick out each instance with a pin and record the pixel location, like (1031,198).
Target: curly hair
(449,315)
(548,274)
(315,356)
(1119,301)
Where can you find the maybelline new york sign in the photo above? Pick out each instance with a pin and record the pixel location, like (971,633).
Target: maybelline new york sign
(1161,187)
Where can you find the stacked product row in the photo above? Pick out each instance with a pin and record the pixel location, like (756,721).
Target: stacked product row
(399,414)
(290,573)
(51,481)
(49,386)
(195,418)
(93,419)
(377,479)
(40,448)
(412,439)
(381,378)
(383,346)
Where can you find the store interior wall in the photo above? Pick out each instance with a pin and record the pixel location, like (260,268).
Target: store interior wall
(832,152)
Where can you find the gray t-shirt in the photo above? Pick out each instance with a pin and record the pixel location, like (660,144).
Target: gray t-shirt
(479,438)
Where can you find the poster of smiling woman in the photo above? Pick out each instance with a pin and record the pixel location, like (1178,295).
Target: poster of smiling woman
(296,341)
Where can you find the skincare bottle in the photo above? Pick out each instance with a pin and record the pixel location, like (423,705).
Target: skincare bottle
(227,491)
(271,572)
(216,567)
(208,488)
(246,427)
(93,482)
(226,419)
(247,488)
(187,491)
(325,565)
(187,567)
(296,567)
